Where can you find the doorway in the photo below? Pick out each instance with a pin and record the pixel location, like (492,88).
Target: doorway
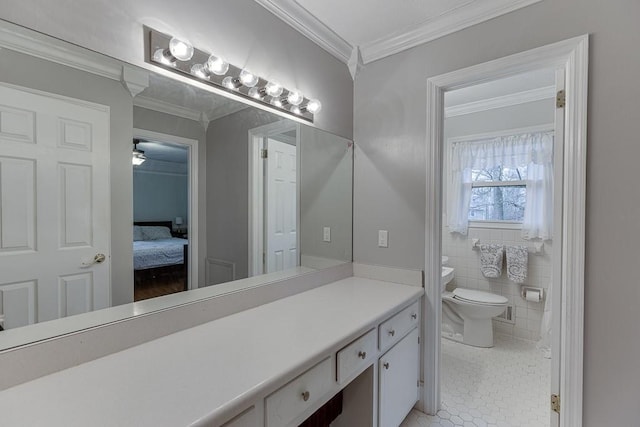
(165,214)
(571,56)
(274,216)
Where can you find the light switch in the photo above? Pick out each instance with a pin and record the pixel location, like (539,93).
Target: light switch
(383,239)
(326,233)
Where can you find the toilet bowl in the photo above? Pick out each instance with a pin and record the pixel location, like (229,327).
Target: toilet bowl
(467,314)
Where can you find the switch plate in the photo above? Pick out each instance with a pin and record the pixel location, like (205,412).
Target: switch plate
(326,234)
(383,239)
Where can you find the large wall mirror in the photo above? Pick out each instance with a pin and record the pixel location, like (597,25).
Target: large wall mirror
(127,191)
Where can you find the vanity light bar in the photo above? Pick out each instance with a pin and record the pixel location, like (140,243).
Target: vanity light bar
(180,57)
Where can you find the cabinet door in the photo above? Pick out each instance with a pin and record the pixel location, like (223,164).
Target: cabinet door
(398,381)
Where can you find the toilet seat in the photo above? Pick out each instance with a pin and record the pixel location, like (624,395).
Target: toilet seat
(478,297)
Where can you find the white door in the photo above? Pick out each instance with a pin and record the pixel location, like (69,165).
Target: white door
(398,380)
(54,206)
(280,207)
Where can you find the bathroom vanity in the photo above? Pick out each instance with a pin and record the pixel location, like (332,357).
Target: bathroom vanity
(273,365)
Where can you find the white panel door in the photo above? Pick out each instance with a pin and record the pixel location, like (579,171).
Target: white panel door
(280,207)
(398,380)
(54,206)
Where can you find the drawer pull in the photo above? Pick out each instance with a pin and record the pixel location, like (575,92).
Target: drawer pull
(362,354)
(305,396)
(414,316)
(386,365)
(392,332)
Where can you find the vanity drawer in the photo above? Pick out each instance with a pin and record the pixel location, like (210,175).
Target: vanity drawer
(356,355)
(393,329)
(286,404)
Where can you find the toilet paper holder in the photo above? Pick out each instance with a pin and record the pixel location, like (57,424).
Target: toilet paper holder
(532,294)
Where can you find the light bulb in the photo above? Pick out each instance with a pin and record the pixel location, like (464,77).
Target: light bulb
(160,55)
(231,83)
(295,109)
(273,89)
(254,92)
(276,102)
(313,106)
(295,97)
(181,50)
(200,70)
(248,78)
(217,65)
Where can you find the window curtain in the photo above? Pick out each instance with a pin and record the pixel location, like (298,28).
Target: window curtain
(534,150)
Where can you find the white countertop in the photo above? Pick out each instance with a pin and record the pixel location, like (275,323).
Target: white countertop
(209,370)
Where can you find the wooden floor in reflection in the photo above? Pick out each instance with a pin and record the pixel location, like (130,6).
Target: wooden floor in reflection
(158,282)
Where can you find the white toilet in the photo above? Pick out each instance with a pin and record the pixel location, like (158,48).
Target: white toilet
(467,314)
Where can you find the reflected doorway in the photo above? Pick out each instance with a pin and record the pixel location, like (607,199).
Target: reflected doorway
(274,193)
(163,227)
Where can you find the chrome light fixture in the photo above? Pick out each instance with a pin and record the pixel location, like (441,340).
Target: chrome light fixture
(138,155)
(181,57)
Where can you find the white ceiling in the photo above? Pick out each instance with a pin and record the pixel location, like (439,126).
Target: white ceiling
(520,83)
(379,28)
(164,152)
(170,96)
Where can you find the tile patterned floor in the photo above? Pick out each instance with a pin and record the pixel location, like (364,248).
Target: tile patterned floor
(504,386)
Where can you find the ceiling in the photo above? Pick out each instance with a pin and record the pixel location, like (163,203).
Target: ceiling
(170,96)
(379,28)
(164,152)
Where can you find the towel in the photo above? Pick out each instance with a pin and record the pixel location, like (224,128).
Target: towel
(491,260)
(517,258)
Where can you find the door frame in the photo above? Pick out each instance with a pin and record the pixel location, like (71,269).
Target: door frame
(192,229)
(255,234)
(572,55)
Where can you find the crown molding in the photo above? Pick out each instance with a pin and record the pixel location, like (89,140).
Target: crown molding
(299,18)
(450,22)
(168,108)
(35,44)
(509,100)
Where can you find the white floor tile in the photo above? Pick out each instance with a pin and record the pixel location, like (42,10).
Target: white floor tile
(507,385)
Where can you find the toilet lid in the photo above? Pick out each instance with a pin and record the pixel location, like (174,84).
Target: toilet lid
(481,297)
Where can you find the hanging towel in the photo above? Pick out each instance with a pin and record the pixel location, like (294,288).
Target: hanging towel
(517,259)
(491,260)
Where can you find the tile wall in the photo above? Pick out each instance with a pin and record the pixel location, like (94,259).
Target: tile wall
(466,262)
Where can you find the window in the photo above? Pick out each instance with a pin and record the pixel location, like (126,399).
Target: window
(498,194)
(504,179)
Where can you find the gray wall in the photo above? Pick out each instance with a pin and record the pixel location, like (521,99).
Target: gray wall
(146,119)
(159,196)
(325,194)
(240,30)
(389,128)
(31,72)
(228,185)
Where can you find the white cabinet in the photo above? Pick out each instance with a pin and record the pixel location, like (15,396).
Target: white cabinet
(398,380)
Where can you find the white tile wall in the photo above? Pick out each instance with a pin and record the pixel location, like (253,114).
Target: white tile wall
(466,262)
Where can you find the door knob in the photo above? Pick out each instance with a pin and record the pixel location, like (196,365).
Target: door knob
(386,365)
(97,259)
(392,332)
(305,396)
(362,354)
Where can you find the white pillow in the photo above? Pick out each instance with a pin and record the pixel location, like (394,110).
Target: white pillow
(137,233)
(152,232)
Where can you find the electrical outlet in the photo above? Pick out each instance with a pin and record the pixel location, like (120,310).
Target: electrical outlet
(383,239)
(326,234)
